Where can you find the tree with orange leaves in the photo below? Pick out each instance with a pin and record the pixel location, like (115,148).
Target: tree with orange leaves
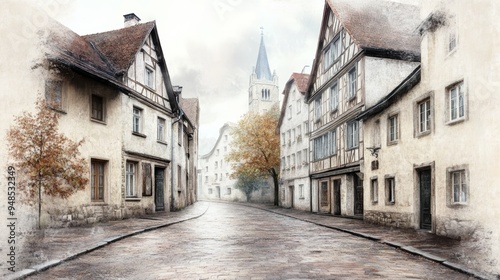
(256,147)
(48,162)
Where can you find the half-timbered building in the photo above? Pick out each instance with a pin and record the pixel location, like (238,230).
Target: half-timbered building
(365,48)
(112,90)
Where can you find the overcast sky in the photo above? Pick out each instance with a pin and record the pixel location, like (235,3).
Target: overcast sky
(211,46)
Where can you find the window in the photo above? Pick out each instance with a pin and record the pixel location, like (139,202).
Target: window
(289,137)
(220,178)
(206,168)
(293,135)
(299,105)
(136,120)
(283,163)
(390,190)
(352,83)
(374,190)
(299,159)
(210,191)
(216,176)
(283,139)
(228,191)
(457,185)
(456,102)
(352,135)
(393,126)
(149,77)
(332,53)
(97,109)
(325,145)
(206,179)
(299,133)
(304,155)
(293,160)
(216,164)
(131,178)
(301,191)
(53,94)
(288,165)
(452,35)
(180,136)
(334,97)
(289,111)
(217,152)
(161,130)
(97,180)
(424,116)
(306,127)
(317,108)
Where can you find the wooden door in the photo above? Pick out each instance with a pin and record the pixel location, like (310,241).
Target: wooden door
(425,199)
(336,197)
(358,195)
(324,197)
(159,187)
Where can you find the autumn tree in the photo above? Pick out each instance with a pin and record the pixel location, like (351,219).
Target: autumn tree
(256,150)
(49,163)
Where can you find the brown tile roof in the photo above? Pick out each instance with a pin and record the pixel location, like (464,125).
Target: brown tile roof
(69,47)
(120,46)
(302,81)
(380,24)
(191,107)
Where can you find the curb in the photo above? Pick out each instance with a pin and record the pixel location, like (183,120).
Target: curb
(397,245)
(98,245)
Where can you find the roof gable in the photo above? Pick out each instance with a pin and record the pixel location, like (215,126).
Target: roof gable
(301,81)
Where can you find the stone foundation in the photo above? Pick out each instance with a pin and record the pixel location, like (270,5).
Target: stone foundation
(393,219)
(84,214)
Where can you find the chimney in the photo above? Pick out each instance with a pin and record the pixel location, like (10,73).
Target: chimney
(131,19)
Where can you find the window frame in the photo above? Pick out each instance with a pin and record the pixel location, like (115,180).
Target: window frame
(393,129)
(149,77)
(95,190)
(332,52)
(461,92)
(299,105)
(352,83)
(102,109)
(131,177)
(463,170)
(428,97)
(160,130)
(352,141)
(317,107)
(334,96)
(374,190)
(54,89)
(137,120)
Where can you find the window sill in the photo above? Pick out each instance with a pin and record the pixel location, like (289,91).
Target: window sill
(59,110)
(98,202)
(423,134)
(132,199)
(98,121)
(352,148)
(333,111)
(392,143)
(350,99)
(458,205)
(456,121)
(302,198)
(387,203)
(139,134)
(162,142)
(374,202)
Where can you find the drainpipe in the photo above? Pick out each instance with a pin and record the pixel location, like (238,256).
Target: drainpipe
(172,164)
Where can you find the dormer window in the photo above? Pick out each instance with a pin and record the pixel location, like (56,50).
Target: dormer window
(149,77)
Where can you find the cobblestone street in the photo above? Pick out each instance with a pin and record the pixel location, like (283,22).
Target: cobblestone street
(236,242)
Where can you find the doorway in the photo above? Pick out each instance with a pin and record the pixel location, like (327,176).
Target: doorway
(159,189)
(291,194)
(424,177)
(336,197)
(358,195)
(324,197)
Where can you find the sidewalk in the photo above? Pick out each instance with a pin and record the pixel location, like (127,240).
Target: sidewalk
(50,247)
(455,254)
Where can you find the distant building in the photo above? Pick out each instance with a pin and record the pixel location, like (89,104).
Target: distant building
(365,49)
(263,92)
(294,130)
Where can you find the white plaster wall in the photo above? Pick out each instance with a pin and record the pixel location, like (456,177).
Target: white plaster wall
(382,75)
(299,173)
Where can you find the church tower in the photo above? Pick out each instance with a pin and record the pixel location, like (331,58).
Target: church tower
(263,92)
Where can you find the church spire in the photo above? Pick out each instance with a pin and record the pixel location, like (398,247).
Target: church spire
(262,69)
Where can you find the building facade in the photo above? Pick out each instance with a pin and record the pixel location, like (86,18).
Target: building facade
(434,167)
(294,150)
(360,55)
(112,90)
